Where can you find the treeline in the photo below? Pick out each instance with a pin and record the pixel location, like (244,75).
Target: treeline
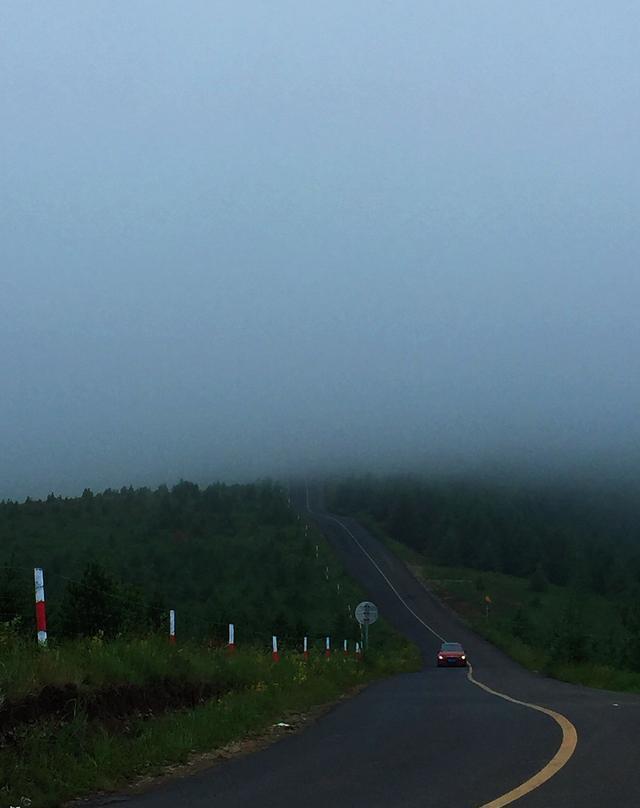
(578,537)
(115,562)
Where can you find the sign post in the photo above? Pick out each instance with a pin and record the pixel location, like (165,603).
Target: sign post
(366,613)
(41,612)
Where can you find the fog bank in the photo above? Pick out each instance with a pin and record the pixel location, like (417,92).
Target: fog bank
(241,241)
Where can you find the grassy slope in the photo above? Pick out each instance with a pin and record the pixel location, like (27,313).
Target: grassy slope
(217,555)
(464,590)
(52,760)
(63,755)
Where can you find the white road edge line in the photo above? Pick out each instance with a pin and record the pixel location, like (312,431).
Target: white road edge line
(569,734)
(377,566)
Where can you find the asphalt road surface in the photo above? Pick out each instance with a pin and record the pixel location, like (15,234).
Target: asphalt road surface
(432,739)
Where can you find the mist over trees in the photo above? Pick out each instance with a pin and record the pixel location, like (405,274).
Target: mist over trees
(115,563)
(563,535)
(581,538)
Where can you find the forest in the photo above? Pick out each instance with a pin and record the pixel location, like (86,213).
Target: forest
(108,697)
(115,562)
(578,543)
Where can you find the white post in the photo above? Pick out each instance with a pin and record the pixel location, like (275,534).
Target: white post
(41,609)
(172,626)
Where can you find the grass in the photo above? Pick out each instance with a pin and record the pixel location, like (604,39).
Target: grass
(86,715)
(53,760)
(520,621)
(465,589)
(94,664)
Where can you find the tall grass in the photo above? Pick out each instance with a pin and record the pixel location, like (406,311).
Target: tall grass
(538,659)
(534,651)
(465,589)
(53,760)
(92,664)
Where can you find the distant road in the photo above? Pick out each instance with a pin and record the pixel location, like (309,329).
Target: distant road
(432,739)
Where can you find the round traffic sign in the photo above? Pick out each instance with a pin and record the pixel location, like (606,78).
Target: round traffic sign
(366,613)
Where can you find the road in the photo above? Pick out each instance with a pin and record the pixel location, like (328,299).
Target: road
(432,739)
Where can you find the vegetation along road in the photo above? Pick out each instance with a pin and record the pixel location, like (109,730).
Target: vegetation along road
(437,737)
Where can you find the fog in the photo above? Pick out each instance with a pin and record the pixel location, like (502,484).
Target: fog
(243,239)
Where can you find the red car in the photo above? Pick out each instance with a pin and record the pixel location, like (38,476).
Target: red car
(451,655)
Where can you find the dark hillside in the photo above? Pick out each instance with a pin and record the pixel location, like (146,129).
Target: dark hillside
(119,560)
(581,543)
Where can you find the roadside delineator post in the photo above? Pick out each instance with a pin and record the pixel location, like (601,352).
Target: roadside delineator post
(41,609)
(274,649)
(327,647)
(305,648)
(487,603)
(346,647)
(172,626)
(232,638)
(358,652)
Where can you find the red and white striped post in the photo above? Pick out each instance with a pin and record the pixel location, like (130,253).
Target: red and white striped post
(172,626)
(305,648)
(358,653)
(274,649)
(41,609)
(345,647)
(232,638)
(327,647)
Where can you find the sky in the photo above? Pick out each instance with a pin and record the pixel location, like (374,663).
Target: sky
(239,239)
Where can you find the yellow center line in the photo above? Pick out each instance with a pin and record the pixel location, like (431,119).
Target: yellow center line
(565,750)
(569,734)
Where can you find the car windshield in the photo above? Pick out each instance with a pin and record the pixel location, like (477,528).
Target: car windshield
(451,646)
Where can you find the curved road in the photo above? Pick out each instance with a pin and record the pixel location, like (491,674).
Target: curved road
(431,739)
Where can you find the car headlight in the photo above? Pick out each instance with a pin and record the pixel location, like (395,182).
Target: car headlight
(440,656)
(464,656)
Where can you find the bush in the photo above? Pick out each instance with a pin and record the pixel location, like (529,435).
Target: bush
(522,627)
(568,642)
(538,581)
(93,606)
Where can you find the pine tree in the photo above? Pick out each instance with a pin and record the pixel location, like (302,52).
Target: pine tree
(93,606)
(538,580)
